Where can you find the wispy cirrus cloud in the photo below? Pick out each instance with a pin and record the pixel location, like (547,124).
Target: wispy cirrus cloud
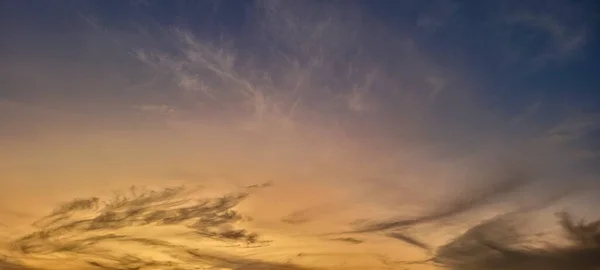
(90,231)
(559,32)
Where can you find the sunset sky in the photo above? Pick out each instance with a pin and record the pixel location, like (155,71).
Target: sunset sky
(289,134)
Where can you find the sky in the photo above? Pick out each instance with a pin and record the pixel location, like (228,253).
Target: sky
(222,134)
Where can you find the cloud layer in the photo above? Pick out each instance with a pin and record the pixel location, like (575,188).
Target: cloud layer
(378,142)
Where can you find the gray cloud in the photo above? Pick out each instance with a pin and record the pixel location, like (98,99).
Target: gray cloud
(81,229)
(463,204)
(496,244)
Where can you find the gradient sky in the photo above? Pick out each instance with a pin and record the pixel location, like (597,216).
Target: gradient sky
(340,120)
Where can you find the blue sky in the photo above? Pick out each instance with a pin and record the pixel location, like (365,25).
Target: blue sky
(545,49)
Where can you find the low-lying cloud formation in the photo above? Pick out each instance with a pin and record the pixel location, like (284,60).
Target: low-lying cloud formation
(494,245)
(178,228)
(90,233)
(504,241)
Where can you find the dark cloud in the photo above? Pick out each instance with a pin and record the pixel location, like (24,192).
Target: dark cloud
(349,240)
(409,240)
(497,244)
(504,241)
(239,263)
(295,218)
(82,229)
(263,185)
(469,201)
(13,266)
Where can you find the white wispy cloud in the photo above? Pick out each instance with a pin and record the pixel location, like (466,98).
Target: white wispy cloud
(529,111)
(573,128)
(436,14)
(437,85)
(564,25)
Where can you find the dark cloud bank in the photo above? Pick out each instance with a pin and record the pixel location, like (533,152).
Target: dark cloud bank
(79,230)
(503,241)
